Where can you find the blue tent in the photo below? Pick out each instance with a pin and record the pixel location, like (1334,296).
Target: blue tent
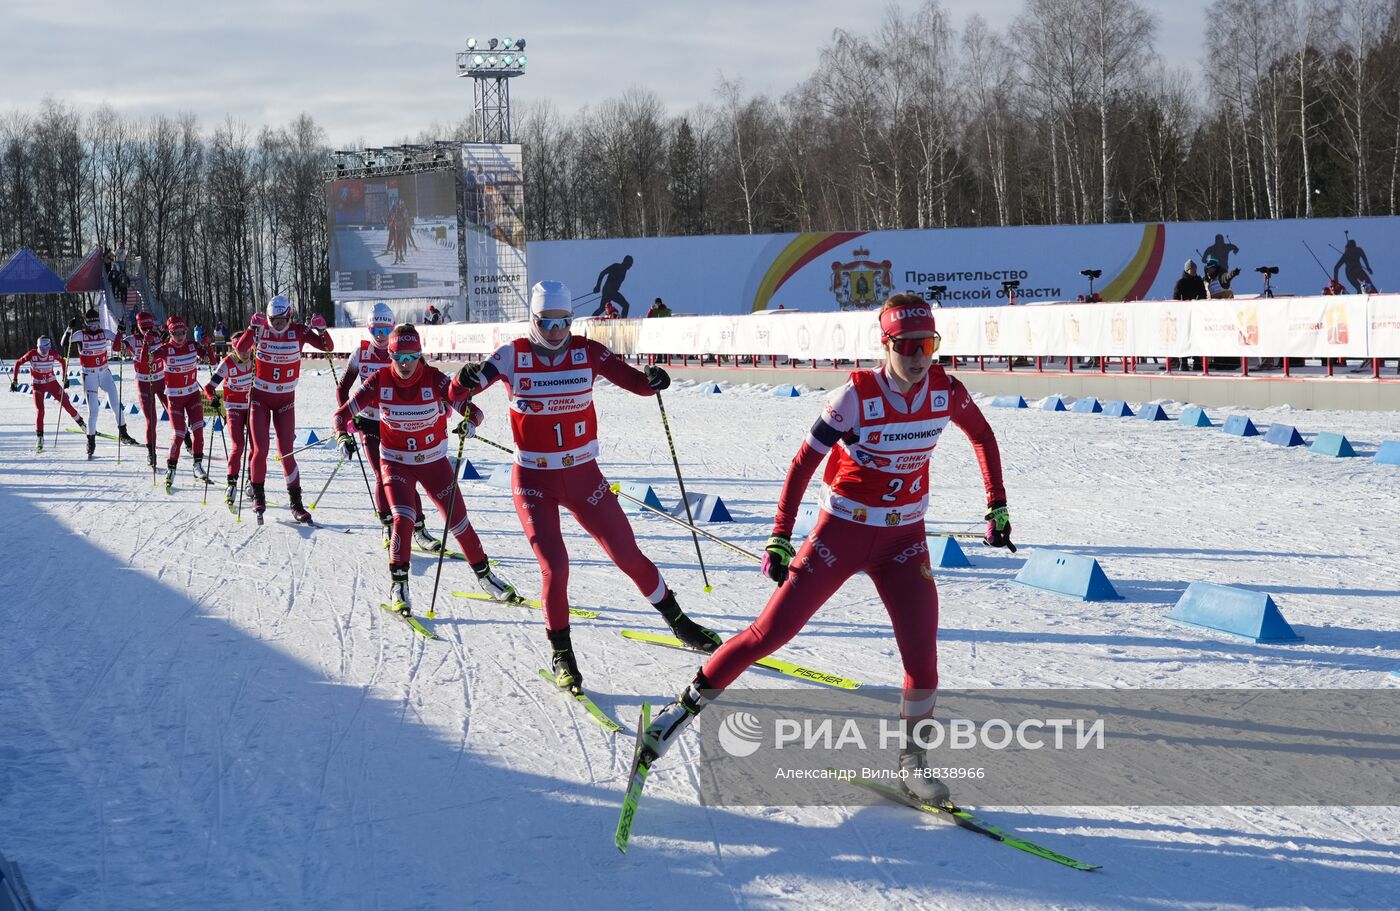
(25,273)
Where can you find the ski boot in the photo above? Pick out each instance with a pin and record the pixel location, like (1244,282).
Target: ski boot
(398,590)
(92,445)
(82,425)
(298,510)
(668,724)
(40,446)
(170,477)
(126,438)
(498,588)
(691,634)
(422,539)
(200,474)
(259,500)
(918,780)
(230,492)
(562,661)
(151,455)
(386,520)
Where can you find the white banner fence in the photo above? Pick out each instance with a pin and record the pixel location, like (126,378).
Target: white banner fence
(1349,326)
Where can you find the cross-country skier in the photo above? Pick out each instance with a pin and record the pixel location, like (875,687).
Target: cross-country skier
(369,358)
(150,377)
(94,350)
(235,371)
(412,399)
(277,341)
(43,361)
(184,401)
(880,429)
(549,378)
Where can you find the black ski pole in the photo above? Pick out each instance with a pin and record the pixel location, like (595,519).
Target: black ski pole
(666,424)
(447,521)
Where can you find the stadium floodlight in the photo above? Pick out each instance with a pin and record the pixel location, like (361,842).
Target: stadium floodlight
(520,44)
(491,61)
(507,43)
(492,44)
(520,61)
(508,60)
(471,44)
(478,60)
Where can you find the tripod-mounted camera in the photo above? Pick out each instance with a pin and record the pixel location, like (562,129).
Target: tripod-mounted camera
(1268,272)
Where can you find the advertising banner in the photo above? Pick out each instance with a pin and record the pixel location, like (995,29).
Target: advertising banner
(494,251)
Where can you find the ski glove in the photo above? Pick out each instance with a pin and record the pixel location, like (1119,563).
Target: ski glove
(258,320)
(214,400)
(776,558)
(465,428)
(75,323)
(14,385)
(998,526)
(347,444)
(657,378)
(318,322)
(469,377)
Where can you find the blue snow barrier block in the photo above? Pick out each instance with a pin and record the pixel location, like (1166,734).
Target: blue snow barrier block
(23,388)
(1332,444)
(500,477)
(134,410)
(1088,405)
(164,415)
(1053,403)
(704,508)
(307,438)
(1194,416)
(1153,412)
(1240,425)
(1067,574)
(945,552)
(642,492)
(1283,435)
(1389,453)
(786,391)
(1009,401)
(806,520)
(469,472)
(218,424)
(709,388)
(1117,408)
(1237,611)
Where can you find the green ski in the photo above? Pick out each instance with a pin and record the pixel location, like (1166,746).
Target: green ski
(636,780)
(528,602)
(773,664)
(413,622)
(965,820)
(107,436)
(597,714)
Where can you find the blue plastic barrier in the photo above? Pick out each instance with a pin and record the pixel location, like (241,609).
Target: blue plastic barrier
(1067,574)
(709,388)
(786,391)
(1153,412)
(1054,403)
(1240,425)
(305,437)
(469,472)
(1389,453)
(1117,408)
(1194,416)
(134,410)
(1088,405)
(1283,435)
(1009,401)
(945,552)
(704,508)
(218,424)
(164,415)
(1332,444)
(642,492)
(1237,611)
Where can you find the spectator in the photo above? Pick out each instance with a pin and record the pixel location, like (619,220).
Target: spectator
(1334,287)
(609,310)
(220,339)
(658,308)
(432,317)
(1189,287)
(119,287)
(1218,280)
(121,257)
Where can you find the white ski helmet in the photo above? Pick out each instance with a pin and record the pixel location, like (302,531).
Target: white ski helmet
(279,306)
(381,316)
(545,297)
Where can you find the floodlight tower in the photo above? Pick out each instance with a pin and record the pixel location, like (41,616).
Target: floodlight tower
(491,67)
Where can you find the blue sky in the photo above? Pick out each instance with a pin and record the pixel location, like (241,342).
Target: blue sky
(378,71)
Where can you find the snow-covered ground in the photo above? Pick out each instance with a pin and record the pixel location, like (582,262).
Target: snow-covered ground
(196,713)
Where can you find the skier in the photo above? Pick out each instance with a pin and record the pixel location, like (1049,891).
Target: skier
(150,377)
(277,340)
(549,377)
(185,405)
(94,349)
(880,428)
(368,359)
(235,371)
(43,361)
(412,399)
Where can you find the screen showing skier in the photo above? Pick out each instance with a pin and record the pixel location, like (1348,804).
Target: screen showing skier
(393,237)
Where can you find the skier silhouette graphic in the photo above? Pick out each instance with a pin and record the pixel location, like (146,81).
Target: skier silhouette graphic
(610,280)
(1221,250)
(1358,268)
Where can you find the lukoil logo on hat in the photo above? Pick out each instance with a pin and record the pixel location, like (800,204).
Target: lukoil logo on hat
(740,734)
